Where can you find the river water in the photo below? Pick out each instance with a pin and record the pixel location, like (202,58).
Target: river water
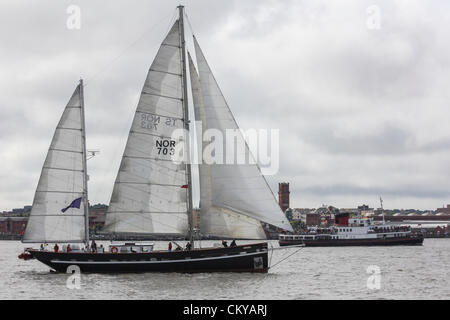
(400,272)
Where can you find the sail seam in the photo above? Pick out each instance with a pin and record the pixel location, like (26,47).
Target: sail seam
(161,95)
(54,191)
(52,240)
(166,72)
(150,184)
(159,115)
(170,45)
(165,212)
(169,114)
(64,128)
(54,168)
(151,134)
(64,150)
(62,215)
(147,158)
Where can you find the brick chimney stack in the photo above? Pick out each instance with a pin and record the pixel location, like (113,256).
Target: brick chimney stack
(283,195)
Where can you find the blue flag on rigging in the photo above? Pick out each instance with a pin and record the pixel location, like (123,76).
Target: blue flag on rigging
(75,204)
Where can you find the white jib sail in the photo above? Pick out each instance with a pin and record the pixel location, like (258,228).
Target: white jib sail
(61,183)
(149,194)
(234,199)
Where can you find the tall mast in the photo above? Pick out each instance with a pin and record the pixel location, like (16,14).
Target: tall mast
(85,178)
(186,125)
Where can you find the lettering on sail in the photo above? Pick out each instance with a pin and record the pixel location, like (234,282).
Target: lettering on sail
(154,122)
(165,146)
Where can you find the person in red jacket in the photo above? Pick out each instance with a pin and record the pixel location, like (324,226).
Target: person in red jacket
(56,248)
(170,247)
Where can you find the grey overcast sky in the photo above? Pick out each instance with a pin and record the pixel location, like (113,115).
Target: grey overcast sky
(363,112)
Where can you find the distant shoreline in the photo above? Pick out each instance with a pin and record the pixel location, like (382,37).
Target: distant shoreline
(102,238)
(10,237)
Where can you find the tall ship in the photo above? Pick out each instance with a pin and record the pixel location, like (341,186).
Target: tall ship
(353,232)
(152,193)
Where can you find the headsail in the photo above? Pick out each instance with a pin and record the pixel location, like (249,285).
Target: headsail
(234,199)
(149,195)
(58,211)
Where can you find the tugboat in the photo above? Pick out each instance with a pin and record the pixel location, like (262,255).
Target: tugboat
(152,194)
(354,232)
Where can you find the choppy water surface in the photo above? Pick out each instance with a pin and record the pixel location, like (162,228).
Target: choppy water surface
(313,273)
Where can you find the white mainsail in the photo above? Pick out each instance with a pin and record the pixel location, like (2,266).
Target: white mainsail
(234,199)
(62,182)
(150,194)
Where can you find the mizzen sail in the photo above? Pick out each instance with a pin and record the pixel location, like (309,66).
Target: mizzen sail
(234,198)
(149,195)
(58,211)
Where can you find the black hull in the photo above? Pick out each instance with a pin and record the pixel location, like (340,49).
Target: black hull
(409,241)
(245,258)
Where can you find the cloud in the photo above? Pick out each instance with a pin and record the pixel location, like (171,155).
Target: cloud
(360,112)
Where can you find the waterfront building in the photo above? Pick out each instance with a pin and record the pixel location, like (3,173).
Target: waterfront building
(283,195)
(13,225)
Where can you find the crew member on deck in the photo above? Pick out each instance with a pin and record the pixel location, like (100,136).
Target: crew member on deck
(56,248)
(93,246)
(188,246)
(233,243)
(224,243)
(68,248)
(170,247)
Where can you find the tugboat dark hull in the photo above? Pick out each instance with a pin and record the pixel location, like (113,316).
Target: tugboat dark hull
(406,241)
(244,258)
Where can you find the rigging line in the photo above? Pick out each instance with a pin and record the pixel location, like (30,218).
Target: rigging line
(125,129)
(108,65)
(271,253)
(286,257)
(189,22)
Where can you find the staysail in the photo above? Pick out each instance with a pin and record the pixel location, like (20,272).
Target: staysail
(150,194)
(58,212)
(234,198)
